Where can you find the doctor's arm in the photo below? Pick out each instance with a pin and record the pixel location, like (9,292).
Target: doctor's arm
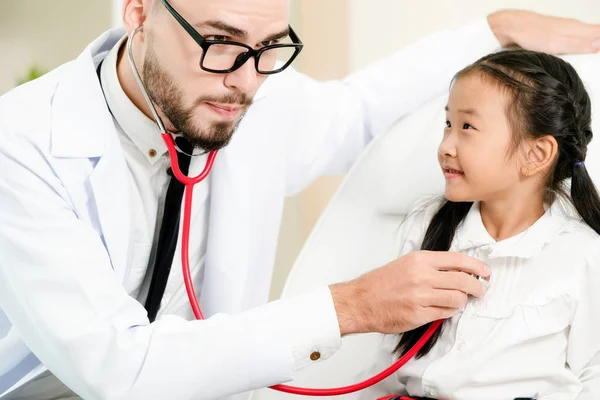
(583,351)
(329,123)
(59,291)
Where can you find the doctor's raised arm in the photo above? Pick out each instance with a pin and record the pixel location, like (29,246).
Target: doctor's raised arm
(141,189)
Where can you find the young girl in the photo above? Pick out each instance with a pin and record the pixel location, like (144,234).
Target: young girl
(517,196)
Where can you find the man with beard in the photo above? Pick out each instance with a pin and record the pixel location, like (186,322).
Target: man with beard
(92,299)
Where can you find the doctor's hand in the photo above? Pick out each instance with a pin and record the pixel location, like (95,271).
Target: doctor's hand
(416,289)
(544,33)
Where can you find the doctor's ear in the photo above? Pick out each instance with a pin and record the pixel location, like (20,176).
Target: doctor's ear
(540,154)
(135,13)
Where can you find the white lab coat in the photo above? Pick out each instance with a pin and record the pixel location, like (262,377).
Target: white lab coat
(66,245)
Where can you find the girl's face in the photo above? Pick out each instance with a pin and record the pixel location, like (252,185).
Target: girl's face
(475,153)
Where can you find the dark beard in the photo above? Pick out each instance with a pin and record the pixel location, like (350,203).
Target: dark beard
(168,98)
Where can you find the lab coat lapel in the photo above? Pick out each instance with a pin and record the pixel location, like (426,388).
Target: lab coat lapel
(228,254)
(111,193)
(82,127)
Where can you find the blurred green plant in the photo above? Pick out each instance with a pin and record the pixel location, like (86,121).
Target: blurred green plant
(33,73)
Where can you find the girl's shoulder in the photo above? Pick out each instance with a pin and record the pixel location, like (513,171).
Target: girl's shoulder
(575,244)
(568,233)
(577,235)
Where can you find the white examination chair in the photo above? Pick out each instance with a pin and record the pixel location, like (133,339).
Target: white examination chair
(356,232)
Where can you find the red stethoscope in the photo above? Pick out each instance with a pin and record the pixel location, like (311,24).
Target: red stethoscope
(189,183)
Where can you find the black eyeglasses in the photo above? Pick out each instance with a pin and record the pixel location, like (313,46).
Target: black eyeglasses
(222,57)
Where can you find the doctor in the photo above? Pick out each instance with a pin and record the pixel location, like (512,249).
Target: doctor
(87,304)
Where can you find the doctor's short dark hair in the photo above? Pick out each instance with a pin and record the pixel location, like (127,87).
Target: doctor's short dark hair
(548,98)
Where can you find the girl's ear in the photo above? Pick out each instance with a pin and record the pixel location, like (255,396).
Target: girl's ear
(540,155)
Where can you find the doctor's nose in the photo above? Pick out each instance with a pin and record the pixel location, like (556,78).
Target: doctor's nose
(244,79)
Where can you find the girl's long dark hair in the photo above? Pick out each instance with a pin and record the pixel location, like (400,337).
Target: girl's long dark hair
(549,98)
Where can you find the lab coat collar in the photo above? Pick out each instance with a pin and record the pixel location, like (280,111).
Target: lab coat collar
(139,128)
(80,116)
(472,233)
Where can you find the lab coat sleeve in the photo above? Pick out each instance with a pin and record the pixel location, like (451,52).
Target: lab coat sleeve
(59,291)
(583,351)
(328,124)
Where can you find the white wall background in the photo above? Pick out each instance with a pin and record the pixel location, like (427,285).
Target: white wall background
(397,22)
(117,14)
(46,33)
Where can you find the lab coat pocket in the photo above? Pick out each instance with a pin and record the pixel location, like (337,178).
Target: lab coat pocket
(137,268)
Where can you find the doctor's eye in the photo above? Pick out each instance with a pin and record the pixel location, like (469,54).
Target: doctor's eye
(216,38)
(448,124)
(268,43)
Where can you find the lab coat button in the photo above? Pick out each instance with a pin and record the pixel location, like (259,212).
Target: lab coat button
(430,392)
(152,153)
(315,355)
